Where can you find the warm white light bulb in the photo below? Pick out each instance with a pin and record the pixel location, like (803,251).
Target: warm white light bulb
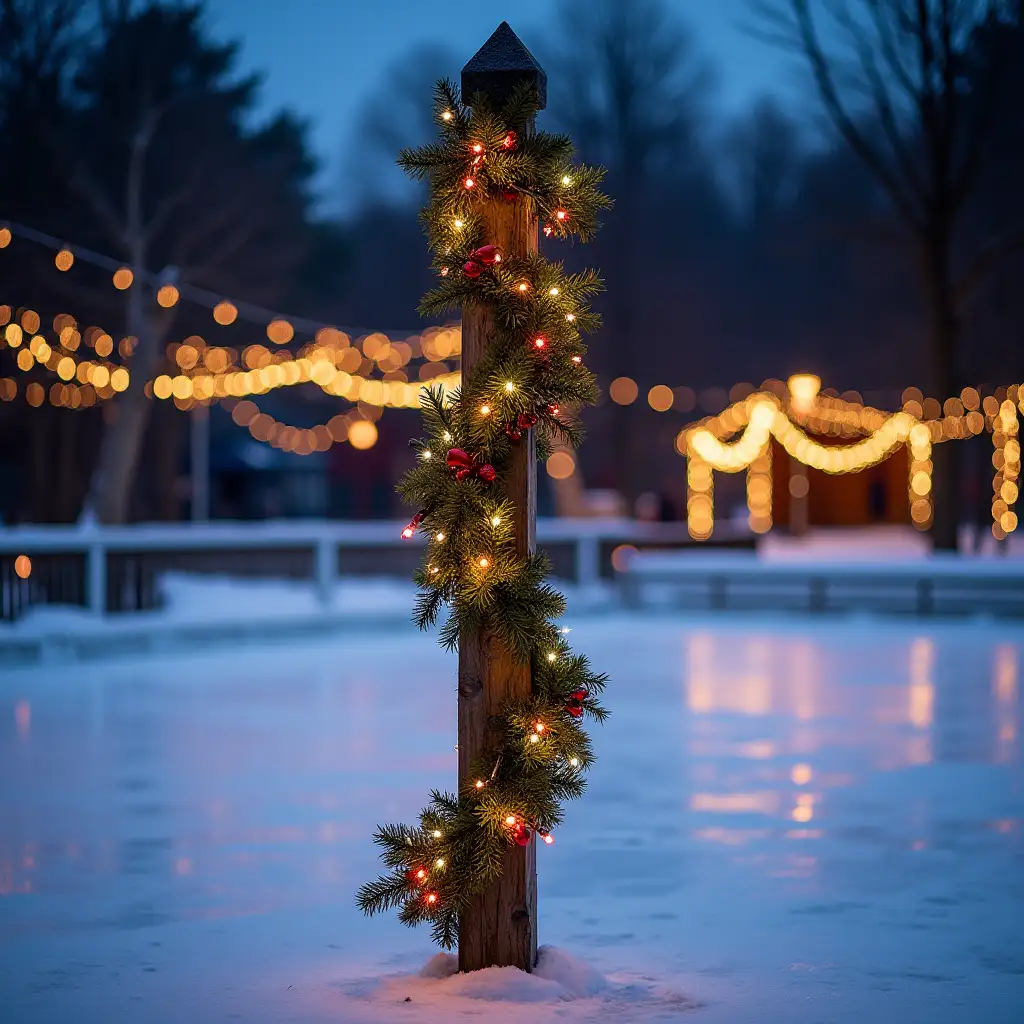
(426,453)
(439,863)
(509,386)
(566,180)
(574,761)
(570,317)
(485,410)
(510,820)
(459,223)
(496,521)
(439,538)
(447,116)
(534,738)
(552,655)
(553,291)
(437,833)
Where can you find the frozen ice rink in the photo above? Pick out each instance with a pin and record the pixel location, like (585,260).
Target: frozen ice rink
(790,820)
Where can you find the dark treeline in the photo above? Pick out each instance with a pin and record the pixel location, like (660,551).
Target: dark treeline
(736,252)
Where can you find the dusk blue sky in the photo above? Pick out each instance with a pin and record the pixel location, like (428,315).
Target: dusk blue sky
(320,57)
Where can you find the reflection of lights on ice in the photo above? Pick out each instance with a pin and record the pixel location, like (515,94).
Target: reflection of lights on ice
(921,693)
(23,717)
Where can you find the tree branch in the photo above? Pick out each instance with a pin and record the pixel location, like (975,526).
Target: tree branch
(841,118)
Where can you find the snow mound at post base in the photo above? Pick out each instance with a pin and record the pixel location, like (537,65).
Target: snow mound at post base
(561,988)
(557,976)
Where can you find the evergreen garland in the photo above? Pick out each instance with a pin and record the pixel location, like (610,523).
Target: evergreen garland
(531,377)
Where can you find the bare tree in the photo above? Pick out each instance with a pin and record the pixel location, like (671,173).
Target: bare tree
(630,91)
(394,117)
(171,181)
(766,153)
(911,87)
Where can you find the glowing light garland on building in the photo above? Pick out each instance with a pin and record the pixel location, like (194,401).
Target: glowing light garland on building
(712,445)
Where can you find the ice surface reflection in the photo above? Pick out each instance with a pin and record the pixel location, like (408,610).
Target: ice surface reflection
(824,811)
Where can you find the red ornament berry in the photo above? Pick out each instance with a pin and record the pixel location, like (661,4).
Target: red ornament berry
(525,420)
(472,269)
(486,254)
(462,474)
(553,409)
(513,431)
(458,459)
(487,473)
(509,141)
(576,710)
(579,695)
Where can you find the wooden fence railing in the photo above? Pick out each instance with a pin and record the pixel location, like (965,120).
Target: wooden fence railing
(117,569)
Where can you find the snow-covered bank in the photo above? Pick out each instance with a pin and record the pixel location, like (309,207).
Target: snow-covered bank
(209,611)
(790,819)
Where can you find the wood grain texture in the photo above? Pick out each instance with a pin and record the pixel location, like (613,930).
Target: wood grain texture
(500,927)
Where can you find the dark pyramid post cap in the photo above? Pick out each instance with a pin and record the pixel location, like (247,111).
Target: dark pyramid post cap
(501,64)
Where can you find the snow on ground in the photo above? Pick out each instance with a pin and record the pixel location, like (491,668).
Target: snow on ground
(791,819)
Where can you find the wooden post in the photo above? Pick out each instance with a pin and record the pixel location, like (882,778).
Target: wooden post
(499,929)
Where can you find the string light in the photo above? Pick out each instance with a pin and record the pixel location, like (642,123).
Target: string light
(561,214)
(552,656)
(523,286)
(509,386)
(225,313)
(447,115)
(1006,462)
(566,180)
(495,520)
(479,784)
(534,738)
(459,223)
(436,833)
(483,561)
(919,444)
(167,296)
(469,183)
(539,342)
(552,291)
(759,492)
(574,761)
(485,410)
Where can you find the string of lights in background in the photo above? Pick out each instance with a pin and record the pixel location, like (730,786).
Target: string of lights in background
(711,444)
(1006,462)
(373,372)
